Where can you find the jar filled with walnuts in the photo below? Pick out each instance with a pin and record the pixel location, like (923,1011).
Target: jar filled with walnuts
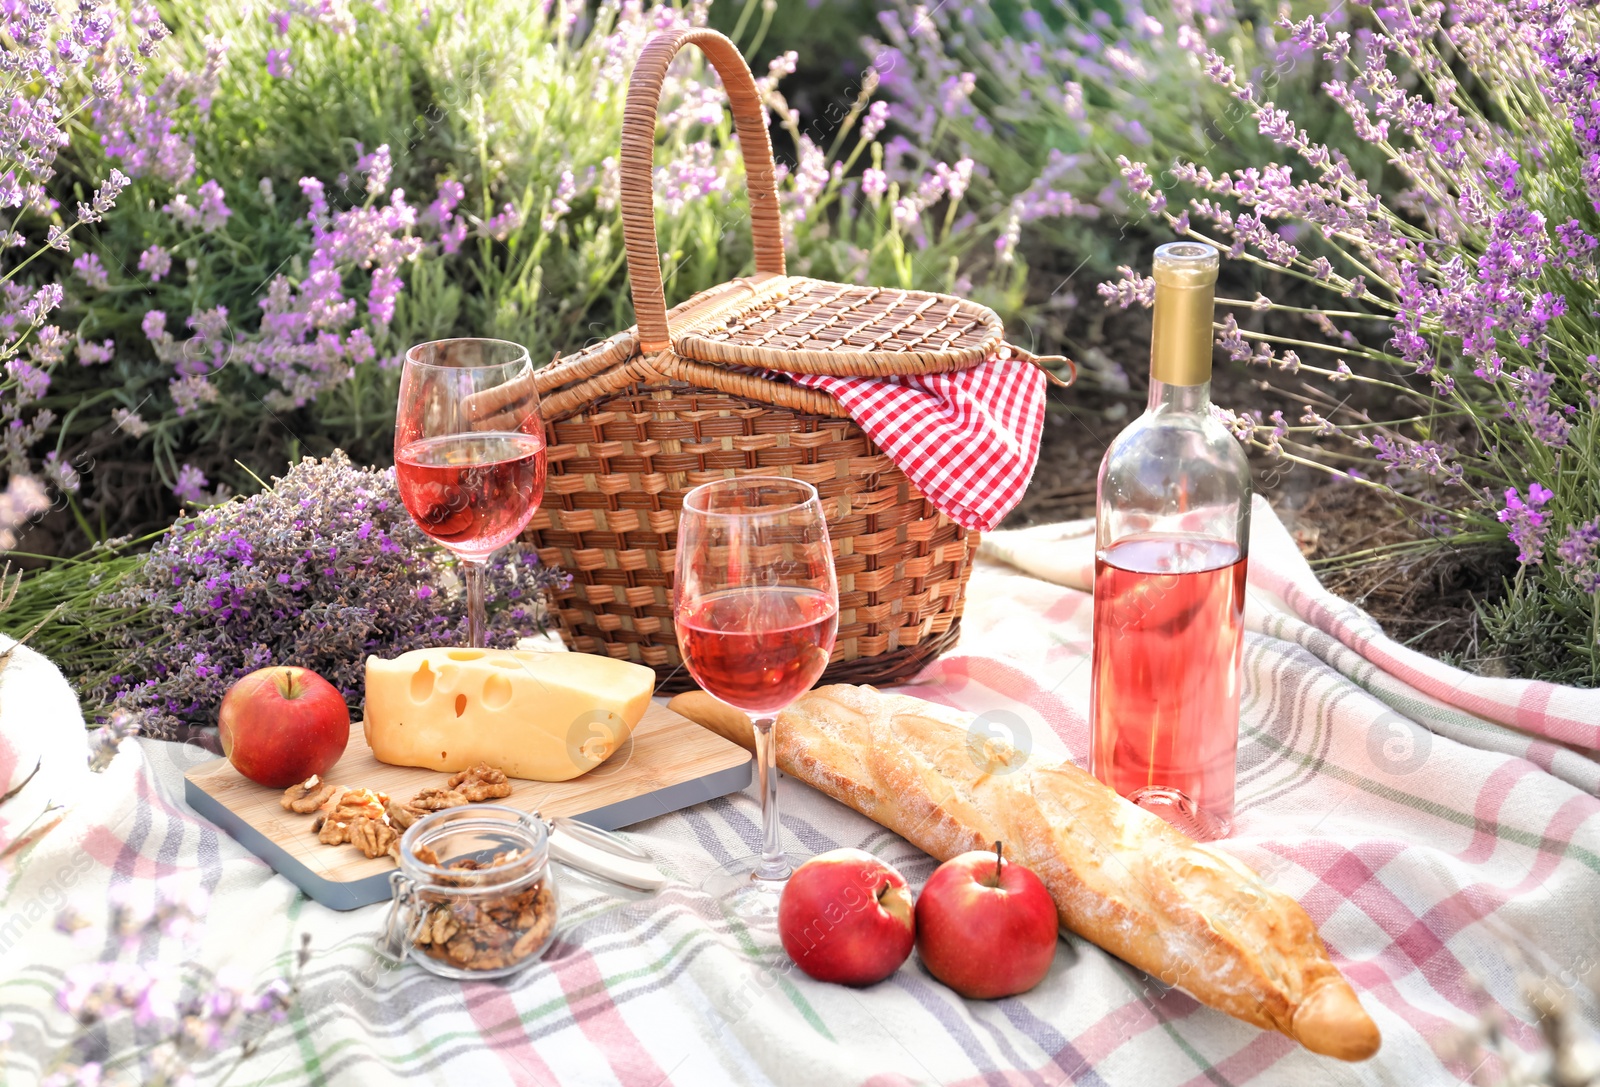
(474,896)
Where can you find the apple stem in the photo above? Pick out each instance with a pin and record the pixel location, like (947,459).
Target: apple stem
(997,862)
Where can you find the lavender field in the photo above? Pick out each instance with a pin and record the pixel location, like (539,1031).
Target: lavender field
(226,222)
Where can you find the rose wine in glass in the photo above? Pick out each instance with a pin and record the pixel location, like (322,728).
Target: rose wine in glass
(1172,531)
(756,611)
(759,649)
(469,452)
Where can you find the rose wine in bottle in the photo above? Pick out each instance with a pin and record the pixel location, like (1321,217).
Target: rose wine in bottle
(1172,529)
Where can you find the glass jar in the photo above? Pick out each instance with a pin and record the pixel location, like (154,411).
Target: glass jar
(474,896)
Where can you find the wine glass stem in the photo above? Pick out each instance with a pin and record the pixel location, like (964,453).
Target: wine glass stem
(472,574)
(774,865)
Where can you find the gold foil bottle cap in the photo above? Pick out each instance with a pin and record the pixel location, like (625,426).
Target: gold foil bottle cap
(1180,339)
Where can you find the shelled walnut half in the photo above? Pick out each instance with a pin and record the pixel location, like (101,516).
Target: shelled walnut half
(349,805)
(481,782)
(401,816)
(374,837)
(331,831)
(438,799)
(307,796)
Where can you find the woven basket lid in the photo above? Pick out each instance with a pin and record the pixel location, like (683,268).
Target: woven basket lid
(816,327)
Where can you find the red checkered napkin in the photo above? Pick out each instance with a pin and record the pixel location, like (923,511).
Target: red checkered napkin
(968,439)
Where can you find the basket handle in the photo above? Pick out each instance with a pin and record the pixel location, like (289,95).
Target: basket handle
(638,165)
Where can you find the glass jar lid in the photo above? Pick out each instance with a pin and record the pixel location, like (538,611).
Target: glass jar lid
(480,848)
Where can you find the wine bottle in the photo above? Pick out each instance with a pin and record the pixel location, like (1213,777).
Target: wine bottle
(1172,530)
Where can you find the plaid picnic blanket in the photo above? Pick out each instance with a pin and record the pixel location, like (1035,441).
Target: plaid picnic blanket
(1440,830)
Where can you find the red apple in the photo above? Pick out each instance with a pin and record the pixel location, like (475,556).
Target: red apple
(278,726)
(986,927)
(846,917)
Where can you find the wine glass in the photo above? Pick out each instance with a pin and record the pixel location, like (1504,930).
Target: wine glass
(469,452)
(756,612)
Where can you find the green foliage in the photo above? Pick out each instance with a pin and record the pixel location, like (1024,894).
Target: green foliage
(521,106)
(1059,91)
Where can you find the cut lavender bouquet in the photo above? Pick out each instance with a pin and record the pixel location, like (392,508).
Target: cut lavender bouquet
(320,569)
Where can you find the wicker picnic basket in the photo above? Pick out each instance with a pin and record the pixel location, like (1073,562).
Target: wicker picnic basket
(634,422)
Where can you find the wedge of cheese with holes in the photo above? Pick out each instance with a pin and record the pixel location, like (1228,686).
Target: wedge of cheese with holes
(539,716)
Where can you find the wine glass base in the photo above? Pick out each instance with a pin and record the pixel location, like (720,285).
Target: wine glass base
(740,892)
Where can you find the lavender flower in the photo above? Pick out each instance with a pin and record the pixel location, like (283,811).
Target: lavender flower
(130,422)
(107,740)
(154,325)
(191,485)
(321,570)
(91,271)
(809,179)
(95,354)
(1470,271)
(376,168)
(1527,522)
(207,216)
(875,120)
(560,202)
(312,335)
(444,204)
(190,391)
(155,262)
(874,183)
(691,177)
(954,179)
(1131,289)
(1578,555)
(23,499)
(1539,408)
(1005,246)
(152,1018)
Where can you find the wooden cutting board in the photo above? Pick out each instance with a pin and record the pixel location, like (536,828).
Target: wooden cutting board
(669,763)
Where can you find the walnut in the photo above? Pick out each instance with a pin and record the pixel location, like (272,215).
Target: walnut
(373,837)
(540,918)
(426,855)
(401,816)
(461,948)
(438,926)
(481,782)
(349,805)
(438,799)
(307,796)
(487,932)
(331,831)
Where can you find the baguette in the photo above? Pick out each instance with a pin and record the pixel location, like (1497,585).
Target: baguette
(1121,878)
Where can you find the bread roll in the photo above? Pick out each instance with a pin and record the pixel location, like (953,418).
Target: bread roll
(1121,878)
